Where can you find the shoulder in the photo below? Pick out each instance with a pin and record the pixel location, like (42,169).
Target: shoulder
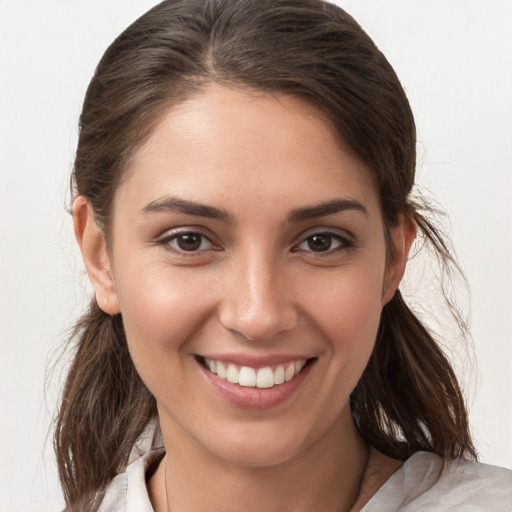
(425,483)
(127,492)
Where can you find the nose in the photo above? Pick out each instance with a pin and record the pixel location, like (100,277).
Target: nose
(257,302)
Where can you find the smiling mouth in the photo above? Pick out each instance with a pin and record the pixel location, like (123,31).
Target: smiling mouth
(246,376)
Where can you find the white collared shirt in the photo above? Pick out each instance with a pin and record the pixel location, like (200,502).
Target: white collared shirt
(415,487)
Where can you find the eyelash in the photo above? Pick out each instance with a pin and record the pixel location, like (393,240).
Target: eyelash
(167,241)
(344,242)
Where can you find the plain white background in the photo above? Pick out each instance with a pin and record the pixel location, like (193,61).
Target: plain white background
(453,57)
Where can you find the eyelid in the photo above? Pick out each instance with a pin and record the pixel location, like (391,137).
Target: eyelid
(171,234)
(345,239)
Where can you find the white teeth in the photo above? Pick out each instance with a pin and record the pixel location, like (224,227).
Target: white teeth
(279,374)
(221,370)
(232,374)
(265,378)
(249,377)
(289,372)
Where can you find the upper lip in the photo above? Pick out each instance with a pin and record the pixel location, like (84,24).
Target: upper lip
(255,361)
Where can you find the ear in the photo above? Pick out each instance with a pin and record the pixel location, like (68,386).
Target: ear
(95,255)
(401,239)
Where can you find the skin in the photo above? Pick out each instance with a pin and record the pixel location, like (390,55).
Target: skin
(255,287)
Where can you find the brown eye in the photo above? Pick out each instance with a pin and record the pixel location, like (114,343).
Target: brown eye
(190,242)
(325,243)
(319,243)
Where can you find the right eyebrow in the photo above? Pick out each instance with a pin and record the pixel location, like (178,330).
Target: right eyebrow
(170,203)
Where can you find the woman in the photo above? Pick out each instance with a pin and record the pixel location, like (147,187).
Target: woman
(242,203)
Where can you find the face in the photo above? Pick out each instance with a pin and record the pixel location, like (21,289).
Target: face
(248,246)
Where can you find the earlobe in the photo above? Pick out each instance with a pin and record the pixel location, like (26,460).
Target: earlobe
(93,246)
(401,241)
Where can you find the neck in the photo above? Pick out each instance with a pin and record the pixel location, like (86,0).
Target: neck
(326,476)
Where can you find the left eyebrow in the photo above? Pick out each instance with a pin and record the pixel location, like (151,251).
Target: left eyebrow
(327,208)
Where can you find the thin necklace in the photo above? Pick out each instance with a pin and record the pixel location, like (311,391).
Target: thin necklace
(165,483)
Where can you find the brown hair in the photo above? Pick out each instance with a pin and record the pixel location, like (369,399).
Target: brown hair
(408,398)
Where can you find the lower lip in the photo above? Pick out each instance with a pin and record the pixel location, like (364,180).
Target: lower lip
(256,398)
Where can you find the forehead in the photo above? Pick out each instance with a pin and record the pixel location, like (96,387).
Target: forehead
(226,144)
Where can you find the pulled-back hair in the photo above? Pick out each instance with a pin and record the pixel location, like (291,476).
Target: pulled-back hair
(408,398)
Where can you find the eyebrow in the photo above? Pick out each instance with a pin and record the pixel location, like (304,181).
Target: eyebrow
(327,208)
(187,207)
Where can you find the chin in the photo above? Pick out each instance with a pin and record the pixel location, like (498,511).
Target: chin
(257,457)
(256,449)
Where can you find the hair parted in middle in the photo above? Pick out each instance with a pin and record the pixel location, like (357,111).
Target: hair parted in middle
(408,399)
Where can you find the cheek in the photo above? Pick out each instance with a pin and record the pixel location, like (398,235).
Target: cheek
(162,312)
(347,310)
(161,309)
